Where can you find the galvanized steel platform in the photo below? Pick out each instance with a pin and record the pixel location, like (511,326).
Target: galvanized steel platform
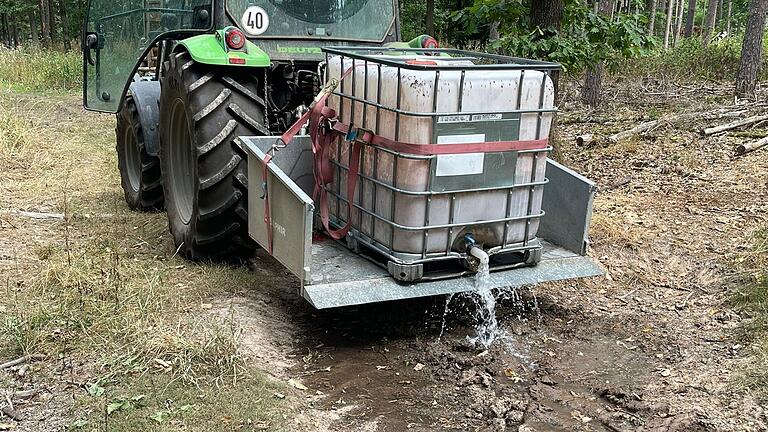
(333,276)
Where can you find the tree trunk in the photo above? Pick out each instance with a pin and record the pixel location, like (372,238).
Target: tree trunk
(4,29)
(752,50)
(65,25)
(719,19)
(651,6)
(494,36)
(33,34)
(728,17)
(689,18)
(14,32)
(430,17)
(668,25)
(52,19)
(593,85)
(709,24)
(548,14)
(593,80)
(679,22)
(45,22)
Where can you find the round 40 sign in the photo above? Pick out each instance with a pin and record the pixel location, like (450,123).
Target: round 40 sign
(255,21)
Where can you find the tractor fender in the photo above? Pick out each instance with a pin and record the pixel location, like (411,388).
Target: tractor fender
(210,49)
(146,94)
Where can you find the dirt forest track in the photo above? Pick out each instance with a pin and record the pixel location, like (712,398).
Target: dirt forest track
(651,346)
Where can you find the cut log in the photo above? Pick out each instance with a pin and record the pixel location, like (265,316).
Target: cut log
(585,140)
(746,148)
(733,125)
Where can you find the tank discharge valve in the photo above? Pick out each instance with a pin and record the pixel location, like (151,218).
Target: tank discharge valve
(476,256)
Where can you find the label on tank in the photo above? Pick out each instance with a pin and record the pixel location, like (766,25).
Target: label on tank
(255,20)
(460,164)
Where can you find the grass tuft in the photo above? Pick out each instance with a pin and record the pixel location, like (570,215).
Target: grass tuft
(34,69)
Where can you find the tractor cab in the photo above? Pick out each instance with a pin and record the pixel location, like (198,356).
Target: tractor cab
(122,39)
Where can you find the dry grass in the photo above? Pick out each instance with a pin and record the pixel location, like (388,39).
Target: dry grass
(104,288)
(32,69)
(751,294)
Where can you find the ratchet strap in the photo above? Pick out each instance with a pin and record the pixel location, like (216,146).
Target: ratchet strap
(324,128)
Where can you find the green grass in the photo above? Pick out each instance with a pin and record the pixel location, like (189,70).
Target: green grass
(34,69)
(751,296)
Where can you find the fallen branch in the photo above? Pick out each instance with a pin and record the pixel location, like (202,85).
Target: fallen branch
(733,125)
(34,215)
(746,148)
(23,359)
(650,125)
(677,118)
(24,394)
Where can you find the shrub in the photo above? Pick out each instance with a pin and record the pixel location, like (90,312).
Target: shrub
(718,61)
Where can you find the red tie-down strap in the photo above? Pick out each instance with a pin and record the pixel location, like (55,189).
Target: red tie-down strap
(324,128)
(267,217)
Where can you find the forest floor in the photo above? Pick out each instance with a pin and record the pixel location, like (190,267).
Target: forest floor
(135,338)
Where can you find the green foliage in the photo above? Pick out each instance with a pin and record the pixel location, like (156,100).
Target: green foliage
(413,21)
(585,37)
(34,69)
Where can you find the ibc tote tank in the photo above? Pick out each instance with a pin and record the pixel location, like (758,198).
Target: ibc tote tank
(491,95)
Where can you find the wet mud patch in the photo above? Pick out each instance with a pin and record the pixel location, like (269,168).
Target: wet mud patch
(418,372)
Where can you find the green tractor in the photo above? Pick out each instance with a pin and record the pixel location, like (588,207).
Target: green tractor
(187,77)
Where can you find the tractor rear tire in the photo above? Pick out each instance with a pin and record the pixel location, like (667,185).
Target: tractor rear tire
(203,109)
(139,171)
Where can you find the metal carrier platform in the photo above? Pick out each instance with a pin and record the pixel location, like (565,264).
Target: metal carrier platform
(332,275)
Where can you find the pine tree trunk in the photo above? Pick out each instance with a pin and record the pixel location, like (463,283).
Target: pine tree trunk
(52,19)
(45,23)
(752,50)
(593,85)
(651,6)
(548,14)
(709,24)
(430,17)
(64,25)
(4,29)
(719,18)
(591,92)
(668,26)
(33,35)
(728,17)
(689,18)
(679,22)
(14,32)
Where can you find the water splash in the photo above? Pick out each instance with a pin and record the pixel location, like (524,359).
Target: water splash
(487,330)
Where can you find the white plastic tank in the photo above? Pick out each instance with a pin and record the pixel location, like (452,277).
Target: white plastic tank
(485,91)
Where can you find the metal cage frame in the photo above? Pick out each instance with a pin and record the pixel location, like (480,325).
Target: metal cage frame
(365,56)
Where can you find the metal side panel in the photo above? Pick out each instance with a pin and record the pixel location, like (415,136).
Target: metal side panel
(342,278)
(567,204)
(291,211)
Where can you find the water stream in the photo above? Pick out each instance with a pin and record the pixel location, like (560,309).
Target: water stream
(483,302)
